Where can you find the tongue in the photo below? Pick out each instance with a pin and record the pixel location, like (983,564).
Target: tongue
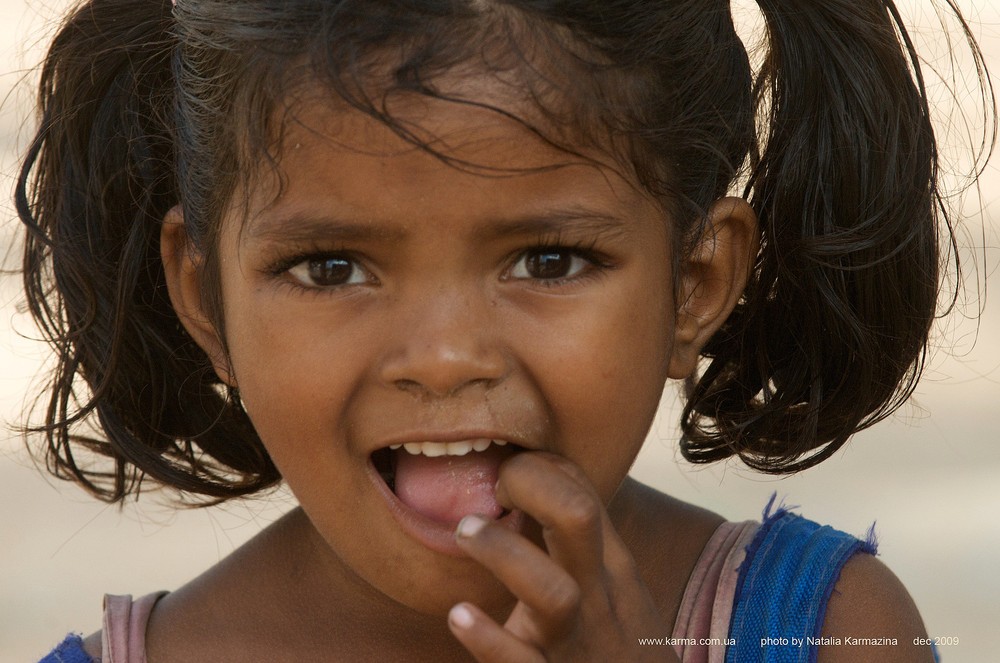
(448,488)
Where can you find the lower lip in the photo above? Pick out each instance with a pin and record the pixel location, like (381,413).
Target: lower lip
(432,534)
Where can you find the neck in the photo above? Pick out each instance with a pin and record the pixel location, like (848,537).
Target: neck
(326,602)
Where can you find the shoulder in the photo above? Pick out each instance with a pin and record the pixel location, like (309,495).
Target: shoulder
(873,617)
(660,525)
(92,646)
(666,538)
(803,584)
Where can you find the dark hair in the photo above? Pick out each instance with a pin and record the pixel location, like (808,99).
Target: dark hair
(144,106)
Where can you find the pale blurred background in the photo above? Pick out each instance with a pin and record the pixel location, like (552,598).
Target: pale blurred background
(930,477)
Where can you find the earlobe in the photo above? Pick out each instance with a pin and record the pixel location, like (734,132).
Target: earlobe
(183,269)
(712,280)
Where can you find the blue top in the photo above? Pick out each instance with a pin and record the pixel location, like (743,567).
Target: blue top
(69,651)
(784,585)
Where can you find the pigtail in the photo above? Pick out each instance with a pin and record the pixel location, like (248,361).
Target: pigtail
(93,191)
(831,334)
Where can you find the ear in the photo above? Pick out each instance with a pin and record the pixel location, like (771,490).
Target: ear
(183,266)
(712,280)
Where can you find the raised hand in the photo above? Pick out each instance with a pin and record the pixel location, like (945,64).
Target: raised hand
(581,600)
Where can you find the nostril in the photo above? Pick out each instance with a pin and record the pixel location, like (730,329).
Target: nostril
(428,391)
(444,365)
(408,385)
(411,386)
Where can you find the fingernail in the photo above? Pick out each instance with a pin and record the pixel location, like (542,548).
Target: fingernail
(460,616)
(499,493)
(470,526)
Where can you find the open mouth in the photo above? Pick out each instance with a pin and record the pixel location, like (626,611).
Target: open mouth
(446,481)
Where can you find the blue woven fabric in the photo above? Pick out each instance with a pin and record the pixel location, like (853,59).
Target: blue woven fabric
(69,650)
(783,588)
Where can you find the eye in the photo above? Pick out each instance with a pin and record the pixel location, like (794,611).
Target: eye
(550,263)
(328,271)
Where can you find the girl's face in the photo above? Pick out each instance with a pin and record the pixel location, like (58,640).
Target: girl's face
(385,297)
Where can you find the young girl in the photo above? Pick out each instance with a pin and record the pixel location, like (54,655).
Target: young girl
(432,263)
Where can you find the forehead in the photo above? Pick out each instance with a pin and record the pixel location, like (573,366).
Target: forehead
(466,105)
(477,129)
(479,147)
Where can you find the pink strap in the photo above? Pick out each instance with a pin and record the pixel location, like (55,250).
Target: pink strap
(123,639)
(707,605)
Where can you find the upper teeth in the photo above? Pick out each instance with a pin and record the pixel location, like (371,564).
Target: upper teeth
(433,449)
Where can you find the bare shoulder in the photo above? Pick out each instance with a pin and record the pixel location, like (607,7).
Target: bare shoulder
(92,645)
(871,617)
(662,526)
(665,536)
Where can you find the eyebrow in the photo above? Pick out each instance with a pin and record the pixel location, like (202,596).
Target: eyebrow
(300,227)
(580,220)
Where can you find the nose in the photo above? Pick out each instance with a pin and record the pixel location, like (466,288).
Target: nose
(443,344)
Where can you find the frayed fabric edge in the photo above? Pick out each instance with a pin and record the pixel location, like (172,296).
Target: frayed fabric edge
(869,543)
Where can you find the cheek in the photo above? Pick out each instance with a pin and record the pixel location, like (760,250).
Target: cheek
(603,380)
(294,380)
(282,348)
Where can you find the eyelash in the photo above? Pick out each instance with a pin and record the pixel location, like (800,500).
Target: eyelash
(281,269)
(596,262)
(596,265)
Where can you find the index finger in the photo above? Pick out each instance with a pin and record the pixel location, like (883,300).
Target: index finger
(565,504)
